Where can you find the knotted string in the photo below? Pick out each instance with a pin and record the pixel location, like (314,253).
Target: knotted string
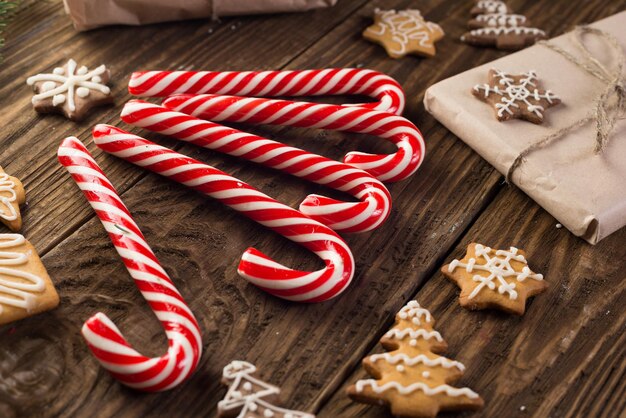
(610,105)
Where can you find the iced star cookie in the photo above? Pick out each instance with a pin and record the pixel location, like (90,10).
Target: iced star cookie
(411,378)
(404,32)
(25,287)
(499,279)
(12,195)
(516,96)
(71,91)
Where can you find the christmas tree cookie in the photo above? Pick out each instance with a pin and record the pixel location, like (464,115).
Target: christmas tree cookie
(12,195)
(249,396)
(411,378)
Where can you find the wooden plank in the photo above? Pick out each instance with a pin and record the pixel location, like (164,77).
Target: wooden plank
(306,349)
(41,37)
(565,356)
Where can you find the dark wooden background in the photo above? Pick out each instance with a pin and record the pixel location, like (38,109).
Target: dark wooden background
(565,357)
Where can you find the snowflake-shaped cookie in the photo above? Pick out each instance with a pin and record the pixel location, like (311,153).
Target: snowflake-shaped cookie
(404,32)
(516,96)
(70,91)
(491,278)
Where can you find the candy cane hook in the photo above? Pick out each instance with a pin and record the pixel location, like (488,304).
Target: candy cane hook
(256,267)
(396,129)
(366,215)
(386,91)
(104,339)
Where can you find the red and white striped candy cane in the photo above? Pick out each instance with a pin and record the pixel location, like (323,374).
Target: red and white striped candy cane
(366,215)
(385,167)
(104,339)
(256,267)
(385,90)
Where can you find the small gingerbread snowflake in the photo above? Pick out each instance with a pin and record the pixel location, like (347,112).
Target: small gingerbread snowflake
(70,90)
(516,96)
(491,278)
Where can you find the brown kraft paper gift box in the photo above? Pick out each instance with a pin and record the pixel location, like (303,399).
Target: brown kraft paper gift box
(90,14)
(584,191)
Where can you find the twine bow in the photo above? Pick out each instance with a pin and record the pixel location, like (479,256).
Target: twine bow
(610,105)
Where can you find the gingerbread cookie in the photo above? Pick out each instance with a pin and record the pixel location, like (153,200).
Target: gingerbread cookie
(250,397)
(404,32)
(12,195)
(25,287)
(495,20)
(489,6)
(71,91)
(516,96)
(498,279)
(411,378)
(504,37)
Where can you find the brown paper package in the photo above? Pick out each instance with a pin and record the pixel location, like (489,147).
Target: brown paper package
(90,14)
(584,191)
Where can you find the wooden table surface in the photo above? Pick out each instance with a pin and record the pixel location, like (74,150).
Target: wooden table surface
(564,357)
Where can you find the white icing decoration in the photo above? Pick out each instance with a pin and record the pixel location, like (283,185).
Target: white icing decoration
(492,6)
(82,92)
(66,85)
(48,85)
(425,374)
(499,268)
(405,26)
(96,79)
(414,311)
(413,334)
(237,373)
(18,295)
(400,368)
(57,99)
(419,359)
(501,19)
(507,30)
(513,95)
(405,390)
(8,186)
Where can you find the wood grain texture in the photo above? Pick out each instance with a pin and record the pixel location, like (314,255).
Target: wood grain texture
(558,360)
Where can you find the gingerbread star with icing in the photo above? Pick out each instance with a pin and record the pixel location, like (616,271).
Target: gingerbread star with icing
(404,32)
(516,96)
(12,195)
(498,279)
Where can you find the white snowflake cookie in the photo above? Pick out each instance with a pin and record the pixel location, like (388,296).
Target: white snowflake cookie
(491,278)
(516,96)
(71,90)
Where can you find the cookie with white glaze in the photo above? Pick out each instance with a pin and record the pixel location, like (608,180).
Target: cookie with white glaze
(12,195)
(411,378)
(25,287)
(71,90)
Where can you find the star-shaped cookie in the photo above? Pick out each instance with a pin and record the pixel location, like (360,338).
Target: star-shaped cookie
(12,195)
(404,32)
(516,96)
(499,279)
(71,91)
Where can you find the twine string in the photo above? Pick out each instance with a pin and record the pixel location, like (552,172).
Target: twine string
(610,104)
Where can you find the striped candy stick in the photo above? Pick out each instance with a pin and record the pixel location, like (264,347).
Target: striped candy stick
(104,339)
(256,267)
(396,129)
(386,91)
(368,214)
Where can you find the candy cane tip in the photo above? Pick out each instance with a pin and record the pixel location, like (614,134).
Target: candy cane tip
(102,129)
